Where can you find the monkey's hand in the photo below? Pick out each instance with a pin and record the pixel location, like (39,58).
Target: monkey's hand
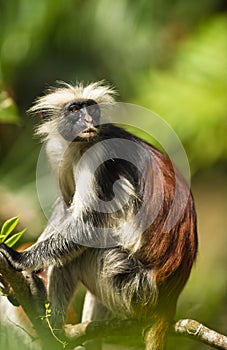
(12,256)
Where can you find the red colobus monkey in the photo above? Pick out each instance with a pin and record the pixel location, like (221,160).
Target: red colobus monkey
(140,277)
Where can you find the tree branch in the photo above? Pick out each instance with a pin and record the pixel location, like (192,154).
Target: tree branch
(79,333)
(199,332)
(28,290)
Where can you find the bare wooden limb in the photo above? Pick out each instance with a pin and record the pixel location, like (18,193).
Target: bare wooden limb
(77,334)
(199,332)
(28,290)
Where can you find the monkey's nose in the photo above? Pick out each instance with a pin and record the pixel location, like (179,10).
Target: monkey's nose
(88,119)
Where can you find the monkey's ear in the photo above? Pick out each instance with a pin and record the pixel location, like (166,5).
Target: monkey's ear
(44,115)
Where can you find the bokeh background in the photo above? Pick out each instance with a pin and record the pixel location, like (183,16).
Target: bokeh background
(169,56)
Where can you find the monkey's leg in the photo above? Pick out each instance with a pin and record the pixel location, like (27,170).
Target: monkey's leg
(62,282)
(93,310)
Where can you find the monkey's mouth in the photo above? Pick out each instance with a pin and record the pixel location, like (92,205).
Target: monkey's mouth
(88,133)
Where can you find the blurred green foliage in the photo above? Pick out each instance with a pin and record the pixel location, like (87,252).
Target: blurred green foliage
(191,93)
(8,109)
(169,56)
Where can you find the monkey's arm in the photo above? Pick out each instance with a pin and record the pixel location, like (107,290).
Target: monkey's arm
(57,244)
(56,249)
(71,230)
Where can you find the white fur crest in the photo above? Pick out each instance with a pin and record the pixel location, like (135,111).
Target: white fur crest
(59,97)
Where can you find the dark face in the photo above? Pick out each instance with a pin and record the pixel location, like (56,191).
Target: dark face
(80,121)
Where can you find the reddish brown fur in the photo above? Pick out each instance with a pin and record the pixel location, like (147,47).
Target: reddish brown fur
(171,253)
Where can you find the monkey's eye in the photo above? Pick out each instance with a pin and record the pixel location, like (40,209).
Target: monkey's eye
(73,108)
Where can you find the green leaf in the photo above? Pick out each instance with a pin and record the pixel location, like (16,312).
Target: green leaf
(8,227)
(12,240)
(47,304)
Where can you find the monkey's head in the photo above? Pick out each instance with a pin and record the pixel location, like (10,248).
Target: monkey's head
(79,120)
(73,113)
